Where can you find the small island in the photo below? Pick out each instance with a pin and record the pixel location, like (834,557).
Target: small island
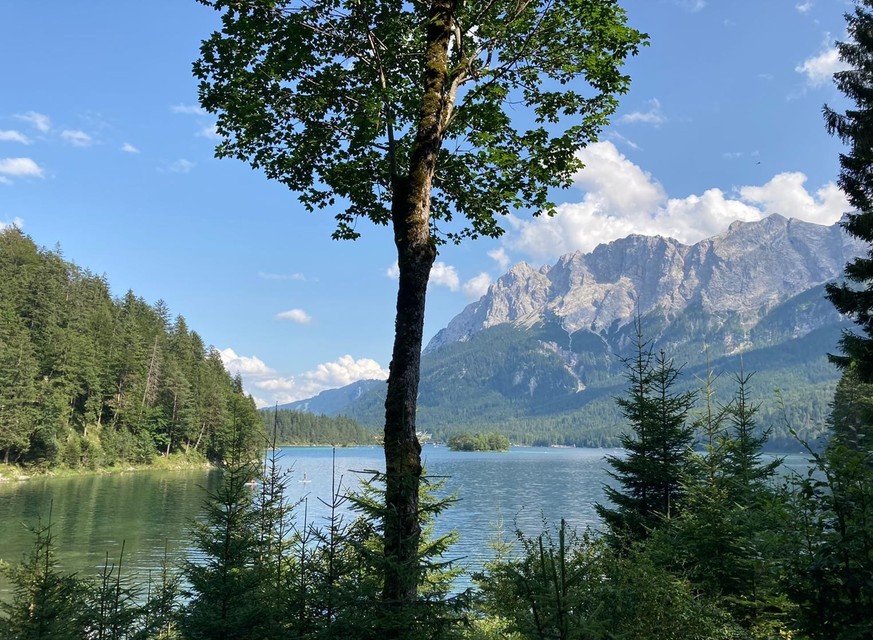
(478,442)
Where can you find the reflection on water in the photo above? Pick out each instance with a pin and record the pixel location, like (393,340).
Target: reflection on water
(152,511)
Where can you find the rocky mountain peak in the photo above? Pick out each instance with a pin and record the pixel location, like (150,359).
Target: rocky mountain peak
(751,266)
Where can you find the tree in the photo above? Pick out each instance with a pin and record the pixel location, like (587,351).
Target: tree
(659,447)
(855,128)
(400,113)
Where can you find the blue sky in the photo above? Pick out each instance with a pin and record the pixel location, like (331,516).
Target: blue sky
(104,151)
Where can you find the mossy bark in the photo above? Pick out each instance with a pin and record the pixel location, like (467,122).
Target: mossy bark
(416,252)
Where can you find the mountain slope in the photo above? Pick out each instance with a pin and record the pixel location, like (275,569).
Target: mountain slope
(539,356)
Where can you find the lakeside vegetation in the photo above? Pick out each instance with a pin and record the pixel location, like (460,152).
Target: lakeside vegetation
(89,381)
(698,545)
(478,442)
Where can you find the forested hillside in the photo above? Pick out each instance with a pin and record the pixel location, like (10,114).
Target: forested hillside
(88,380)
(302,428)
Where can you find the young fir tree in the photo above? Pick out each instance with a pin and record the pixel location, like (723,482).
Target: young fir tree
(658,448)
(721,540)
(46,604)
(830,572)
(225,598)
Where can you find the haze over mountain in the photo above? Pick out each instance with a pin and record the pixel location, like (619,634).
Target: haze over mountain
(540,352)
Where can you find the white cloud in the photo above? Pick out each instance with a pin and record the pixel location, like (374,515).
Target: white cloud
(692,5)
(622,199)
(295,315)
(243,365)
(614,183)
(299,277)
(77,138)
(18,223)
(477,286)
(20,167)
(786,194)
(653,116)
(445,275)
(500,257)
(10,135)
(188,109)
(330,375)
(804,7)
(820,68)
(181,166)
(39,121)
(615,135)
(129,148)
(210,132)
(441,274)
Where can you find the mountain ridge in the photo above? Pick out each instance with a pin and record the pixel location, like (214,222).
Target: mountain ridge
(540,355)
(737,270)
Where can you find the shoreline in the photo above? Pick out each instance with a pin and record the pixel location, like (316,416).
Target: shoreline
(11,473)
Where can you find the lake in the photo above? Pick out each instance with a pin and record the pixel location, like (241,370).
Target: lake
(151,512)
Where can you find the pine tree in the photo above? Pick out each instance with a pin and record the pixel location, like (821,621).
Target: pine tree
(46,604)
(658,448)
(855,128)
(224,599)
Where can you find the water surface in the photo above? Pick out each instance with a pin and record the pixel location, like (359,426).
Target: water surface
(151,511)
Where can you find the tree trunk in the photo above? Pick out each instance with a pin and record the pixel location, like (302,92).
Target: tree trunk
(416,252)
(402,450)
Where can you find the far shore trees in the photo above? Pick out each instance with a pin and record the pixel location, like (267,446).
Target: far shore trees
(402,113)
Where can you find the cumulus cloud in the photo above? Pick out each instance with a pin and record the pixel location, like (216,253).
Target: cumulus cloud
(188,109)
(614,183)
(295,315)
(441,274)
(77,138)
(445,276)
(329,375)
(804,7)
(500,257)
(181,166)
(654,115)
(477,286)
(786,194)
(18,223)
(10,135)
(38,121)
(20,168)
(621,199)
(243,365)
(820,68)
(129,148)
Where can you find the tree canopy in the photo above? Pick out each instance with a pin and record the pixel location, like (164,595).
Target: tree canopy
(328,98)
(402,113)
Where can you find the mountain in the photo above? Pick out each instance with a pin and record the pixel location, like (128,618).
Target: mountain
(745,271)
(331,401)
(539,356)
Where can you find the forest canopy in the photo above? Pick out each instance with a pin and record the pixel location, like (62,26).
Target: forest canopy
(89,380)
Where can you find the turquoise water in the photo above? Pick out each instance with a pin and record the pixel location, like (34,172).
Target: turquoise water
(151,512)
